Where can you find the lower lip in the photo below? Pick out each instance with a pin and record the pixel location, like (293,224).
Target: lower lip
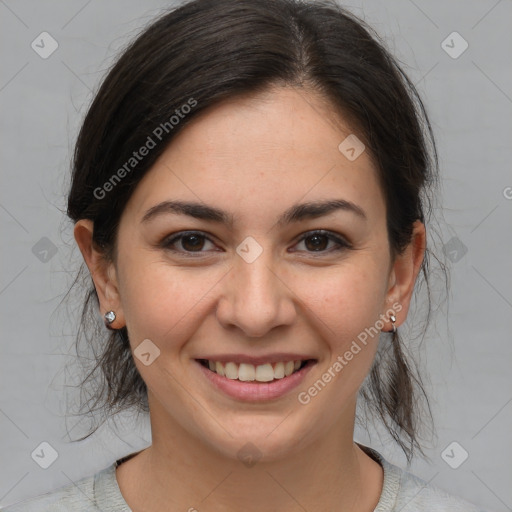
(256,391)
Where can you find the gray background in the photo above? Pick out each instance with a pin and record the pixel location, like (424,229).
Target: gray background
(469,100)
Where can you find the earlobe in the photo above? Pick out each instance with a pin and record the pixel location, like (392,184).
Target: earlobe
(102,272)
(405,271)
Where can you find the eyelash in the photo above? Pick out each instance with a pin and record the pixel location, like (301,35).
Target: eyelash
(169,241)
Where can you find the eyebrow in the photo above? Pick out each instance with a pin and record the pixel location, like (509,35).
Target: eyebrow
(296,213)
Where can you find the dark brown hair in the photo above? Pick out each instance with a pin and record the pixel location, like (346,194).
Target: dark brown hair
(207,51)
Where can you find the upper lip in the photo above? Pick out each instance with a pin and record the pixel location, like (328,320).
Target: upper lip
(256,360)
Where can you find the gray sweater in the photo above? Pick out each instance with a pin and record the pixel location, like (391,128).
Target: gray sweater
(401,492)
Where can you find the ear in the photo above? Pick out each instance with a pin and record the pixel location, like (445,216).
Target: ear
(404,272)
(103,273)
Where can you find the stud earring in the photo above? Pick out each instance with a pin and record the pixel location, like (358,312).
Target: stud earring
(393,320)
(110,316)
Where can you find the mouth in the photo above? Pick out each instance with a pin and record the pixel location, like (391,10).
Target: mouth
(246,372)
(261,382)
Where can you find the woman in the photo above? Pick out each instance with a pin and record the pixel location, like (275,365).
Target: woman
(250,191)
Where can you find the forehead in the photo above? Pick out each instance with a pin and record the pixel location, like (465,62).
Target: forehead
(255,156)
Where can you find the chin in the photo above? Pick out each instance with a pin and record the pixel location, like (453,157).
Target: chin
(253,440)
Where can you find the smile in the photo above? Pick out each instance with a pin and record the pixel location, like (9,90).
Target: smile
(248,372)
(255,382)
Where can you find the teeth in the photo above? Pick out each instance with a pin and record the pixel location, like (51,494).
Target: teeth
(248,372)
(231,370)
(219,368)
(264,373)
(279,370)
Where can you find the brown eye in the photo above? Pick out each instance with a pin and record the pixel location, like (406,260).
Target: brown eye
(192,242)
(318,241)
(187,242)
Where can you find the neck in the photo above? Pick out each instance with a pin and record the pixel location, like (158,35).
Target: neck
(178,473)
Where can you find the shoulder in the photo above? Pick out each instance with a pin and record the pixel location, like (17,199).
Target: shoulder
(93,493)
(413,494)
(72,497)
(416,495)
(402,491)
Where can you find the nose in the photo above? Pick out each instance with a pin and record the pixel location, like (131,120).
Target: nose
(255,298)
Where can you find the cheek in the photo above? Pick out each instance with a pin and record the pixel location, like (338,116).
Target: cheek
(166,303)
(344,300)
(344,306)
(163,302)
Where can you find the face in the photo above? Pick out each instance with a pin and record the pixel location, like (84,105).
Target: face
(247,281)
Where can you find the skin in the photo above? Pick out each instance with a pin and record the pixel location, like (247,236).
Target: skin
(254,157)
